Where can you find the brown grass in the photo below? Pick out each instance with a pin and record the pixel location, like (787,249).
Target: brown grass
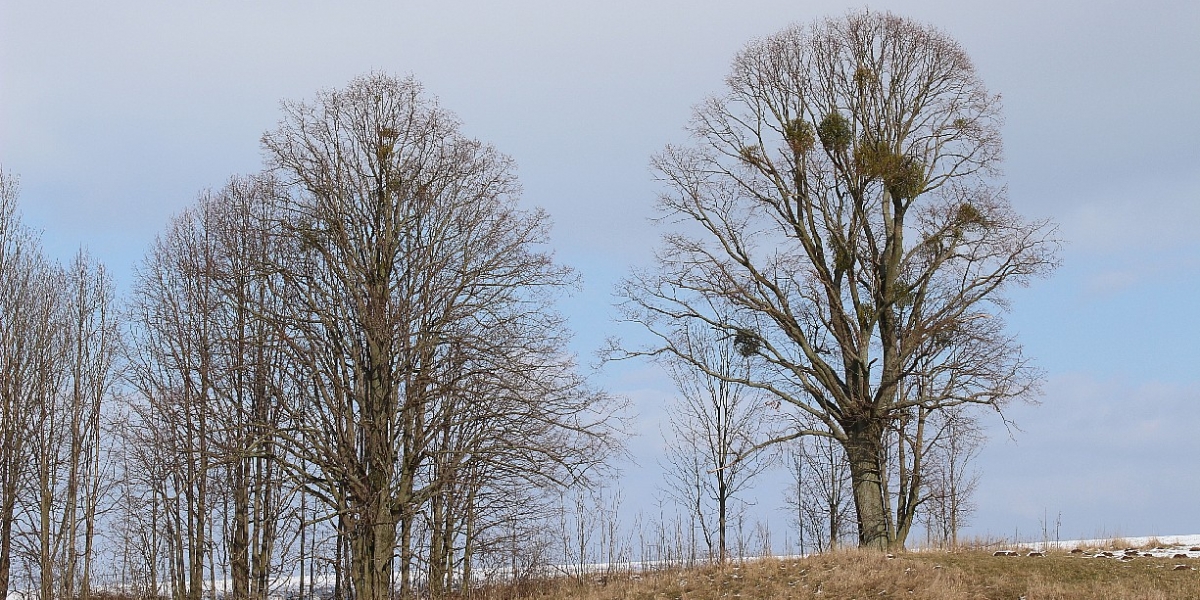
(926,575)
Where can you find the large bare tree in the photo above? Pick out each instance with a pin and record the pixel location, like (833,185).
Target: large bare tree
(844,226)
(412,283)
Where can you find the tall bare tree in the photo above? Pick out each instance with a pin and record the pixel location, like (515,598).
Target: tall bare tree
(14,246)
(401,256)
(252,383)
(30,361)
(207,365)
(94,368)
(66,444)
(46,435)
(848,231)
(175,368)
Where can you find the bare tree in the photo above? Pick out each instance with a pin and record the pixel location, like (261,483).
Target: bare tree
(500,450)
(47,433)
(208,367)
(65,437)
(15,244)
(716,429)
(30,370)
(401,256)
(58,338)
(820,493)
(951,480)
(590,538)
(848,232)
(174,368)
(138,527)
(57,341)
(93,356)
(252,383)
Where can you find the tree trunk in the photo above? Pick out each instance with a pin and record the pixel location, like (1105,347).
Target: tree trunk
(864,449)
(6,526)
(437,545)
(266,530)
(239,542)
(469,542)
(373,541)
(46,472)
(911,477)
(722,525)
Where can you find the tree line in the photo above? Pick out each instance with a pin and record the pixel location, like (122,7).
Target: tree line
(352,356)
(348,368)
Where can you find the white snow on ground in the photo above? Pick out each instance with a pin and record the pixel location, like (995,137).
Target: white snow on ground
(1157,546)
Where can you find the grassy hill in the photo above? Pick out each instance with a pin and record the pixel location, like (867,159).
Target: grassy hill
(929,575)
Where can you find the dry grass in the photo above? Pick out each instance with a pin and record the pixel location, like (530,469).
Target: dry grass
(926,575)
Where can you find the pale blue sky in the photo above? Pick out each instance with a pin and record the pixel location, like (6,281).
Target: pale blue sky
(116,114)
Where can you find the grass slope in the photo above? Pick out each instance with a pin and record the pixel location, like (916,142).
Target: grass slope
(928,575)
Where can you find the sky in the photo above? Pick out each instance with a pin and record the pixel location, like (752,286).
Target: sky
(116,115)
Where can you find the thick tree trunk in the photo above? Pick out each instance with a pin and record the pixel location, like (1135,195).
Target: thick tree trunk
(372,544)
(864,450)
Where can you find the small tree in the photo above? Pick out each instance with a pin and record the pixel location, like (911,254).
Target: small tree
(716,427)
(951,480)
(819,496)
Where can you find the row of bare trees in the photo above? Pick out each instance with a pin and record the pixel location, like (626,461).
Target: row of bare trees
(347,364)
(368,327)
